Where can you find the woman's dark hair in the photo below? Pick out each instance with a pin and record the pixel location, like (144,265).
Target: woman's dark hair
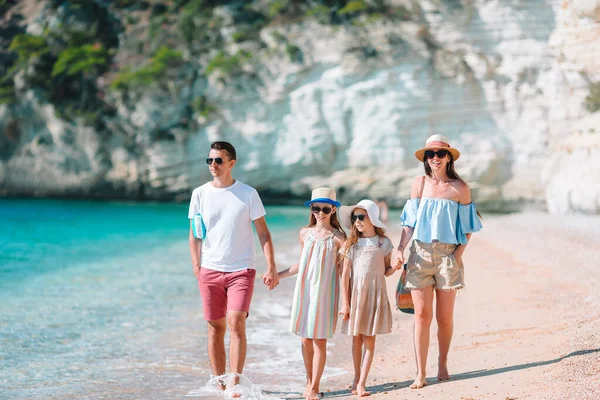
(449,171)
(228,147)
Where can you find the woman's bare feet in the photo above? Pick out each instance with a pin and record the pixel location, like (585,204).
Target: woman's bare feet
(419,382)
(443,374)
(312,395)
(362,392)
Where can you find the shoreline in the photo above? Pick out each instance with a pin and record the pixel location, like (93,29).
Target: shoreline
(268,197)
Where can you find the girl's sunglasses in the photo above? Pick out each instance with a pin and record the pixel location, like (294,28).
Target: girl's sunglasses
(440,153)
(218,160)
(360,217)
(316,209)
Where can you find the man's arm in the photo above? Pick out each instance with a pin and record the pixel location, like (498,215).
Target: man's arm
(270,278)
(195,251)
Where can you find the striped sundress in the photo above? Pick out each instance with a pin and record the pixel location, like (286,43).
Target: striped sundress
(315,306)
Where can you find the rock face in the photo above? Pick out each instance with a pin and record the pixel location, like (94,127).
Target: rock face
(506,83)
(572,175)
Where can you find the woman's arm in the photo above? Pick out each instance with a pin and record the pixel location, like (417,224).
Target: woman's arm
(465,198)
(407,231)
(345,306)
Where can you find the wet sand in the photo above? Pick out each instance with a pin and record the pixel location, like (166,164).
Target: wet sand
(527,325)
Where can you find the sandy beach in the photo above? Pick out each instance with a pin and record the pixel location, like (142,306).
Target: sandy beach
(527,325)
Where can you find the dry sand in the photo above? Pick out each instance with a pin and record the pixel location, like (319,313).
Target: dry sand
(527,326)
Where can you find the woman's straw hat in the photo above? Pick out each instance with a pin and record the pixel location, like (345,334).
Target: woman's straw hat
(437,142)
(369,206)
(323,195)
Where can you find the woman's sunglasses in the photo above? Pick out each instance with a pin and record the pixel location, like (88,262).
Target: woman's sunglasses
(440,153)
(316,209)
(360,217)
(218,160)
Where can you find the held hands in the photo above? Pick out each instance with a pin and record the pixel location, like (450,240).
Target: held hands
(345,311)
(271,278)
(398,260)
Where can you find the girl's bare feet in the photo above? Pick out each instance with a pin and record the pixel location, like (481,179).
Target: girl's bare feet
(354,385)
(443,374)
(362,392)
(307,389)
(419,383)
(312,395)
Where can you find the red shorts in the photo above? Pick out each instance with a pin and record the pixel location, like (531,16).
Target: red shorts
(225,291)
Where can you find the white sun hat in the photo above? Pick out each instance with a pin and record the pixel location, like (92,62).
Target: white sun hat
(323,195)
(369,206)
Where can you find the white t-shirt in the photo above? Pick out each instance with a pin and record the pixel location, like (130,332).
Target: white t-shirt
(227,214)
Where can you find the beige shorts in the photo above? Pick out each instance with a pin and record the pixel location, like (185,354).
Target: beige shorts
(434,264)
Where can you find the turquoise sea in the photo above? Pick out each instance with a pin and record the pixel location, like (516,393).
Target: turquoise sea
(98,300)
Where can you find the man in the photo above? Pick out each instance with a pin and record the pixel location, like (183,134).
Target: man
(223,257)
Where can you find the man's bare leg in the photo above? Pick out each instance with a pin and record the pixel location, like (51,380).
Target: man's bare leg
(236,320)
(216,346)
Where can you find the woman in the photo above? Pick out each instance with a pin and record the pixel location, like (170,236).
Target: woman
(441,217)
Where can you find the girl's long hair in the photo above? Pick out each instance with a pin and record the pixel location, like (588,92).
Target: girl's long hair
(449,171)
(334,220)
(355,234)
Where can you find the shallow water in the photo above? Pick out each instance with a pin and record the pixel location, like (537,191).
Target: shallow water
(98,300)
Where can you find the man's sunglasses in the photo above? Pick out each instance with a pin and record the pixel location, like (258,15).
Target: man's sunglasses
(440,153)
(218,160)
(316,210)
(360,217)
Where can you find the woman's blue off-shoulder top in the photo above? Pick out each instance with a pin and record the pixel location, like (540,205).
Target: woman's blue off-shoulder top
(440,219)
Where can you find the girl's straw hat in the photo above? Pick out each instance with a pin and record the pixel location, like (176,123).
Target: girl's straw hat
(369,206)
(437,142)
(323,195)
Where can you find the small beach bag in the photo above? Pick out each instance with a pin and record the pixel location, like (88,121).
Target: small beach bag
(404,301)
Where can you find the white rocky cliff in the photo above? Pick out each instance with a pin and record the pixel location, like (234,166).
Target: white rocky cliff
(506,81)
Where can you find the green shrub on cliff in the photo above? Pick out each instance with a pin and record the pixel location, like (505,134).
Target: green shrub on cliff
(353,7)
(7,94)
(294,53)
(89,60)
(28,47)
(592,101)
(154,71)
(204,107)
(228,64)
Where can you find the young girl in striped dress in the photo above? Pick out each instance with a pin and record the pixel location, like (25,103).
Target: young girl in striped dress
(315,304)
